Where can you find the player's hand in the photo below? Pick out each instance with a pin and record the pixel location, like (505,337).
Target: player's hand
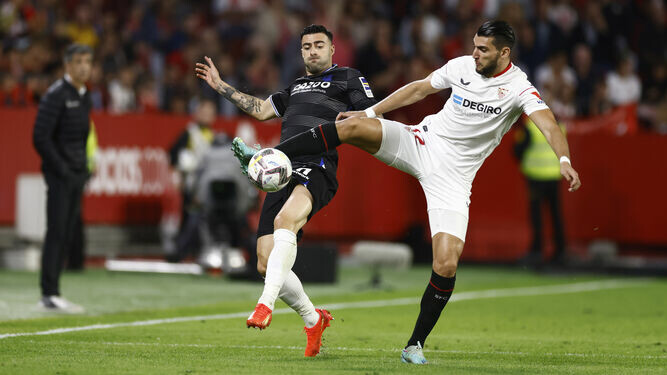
(208,72)
(344,115)
(570,175)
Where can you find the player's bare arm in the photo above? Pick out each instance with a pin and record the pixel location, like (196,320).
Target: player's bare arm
(546,122)
(406,95)
(255,107)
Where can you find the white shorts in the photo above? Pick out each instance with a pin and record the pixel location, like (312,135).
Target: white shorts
(424,155)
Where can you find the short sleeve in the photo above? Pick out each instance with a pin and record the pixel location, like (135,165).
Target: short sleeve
(359,91)
(530,100)
(279,101)
(440,78)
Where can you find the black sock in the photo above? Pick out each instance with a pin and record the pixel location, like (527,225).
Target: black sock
(437,293)
(317,140)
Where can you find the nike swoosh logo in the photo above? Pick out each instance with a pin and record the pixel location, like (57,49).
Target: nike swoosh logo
(464,83)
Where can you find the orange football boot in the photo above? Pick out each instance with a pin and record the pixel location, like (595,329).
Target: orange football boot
(260,318)
(314,333)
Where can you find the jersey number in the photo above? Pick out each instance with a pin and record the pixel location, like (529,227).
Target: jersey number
(418,136)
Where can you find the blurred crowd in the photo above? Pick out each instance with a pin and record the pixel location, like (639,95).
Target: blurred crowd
(585,56)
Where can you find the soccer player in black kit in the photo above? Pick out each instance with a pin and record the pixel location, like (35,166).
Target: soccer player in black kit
(309,101)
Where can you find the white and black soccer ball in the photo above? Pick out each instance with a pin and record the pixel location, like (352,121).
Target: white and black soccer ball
(270,169)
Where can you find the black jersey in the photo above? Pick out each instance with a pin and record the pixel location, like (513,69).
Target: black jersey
(313,100)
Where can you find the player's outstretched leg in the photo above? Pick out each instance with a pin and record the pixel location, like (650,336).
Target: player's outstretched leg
(413,354)
(314,333)
(365,133)
(244,153)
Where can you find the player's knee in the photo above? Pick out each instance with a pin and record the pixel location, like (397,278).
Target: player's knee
(349,129)
(445,266)
(284,221)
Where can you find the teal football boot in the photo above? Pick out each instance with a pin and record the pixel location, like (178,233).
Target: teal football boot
(243,153)
(413,354)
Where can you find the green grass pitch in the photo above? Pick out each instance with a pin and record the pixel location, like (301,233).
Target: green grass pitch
(502,321)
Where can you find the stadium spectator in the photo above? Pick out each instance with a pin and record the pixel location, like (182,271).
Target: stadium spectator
(356,15)
(96,85)
(379,59)
(122,97)
(556,82)
(459,43)
(547,35)
(562,14)
(147,95)
(623,84)
(421,34)
(586,79)
(81,30)
(653,110)
(529,54)
(13,93)
(651,39)
(594,31)
(228,73)
(60,135)
(600,103)
(149,37)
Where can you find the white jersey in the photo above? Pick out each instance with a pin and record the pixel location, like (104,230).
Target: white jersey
(479,111)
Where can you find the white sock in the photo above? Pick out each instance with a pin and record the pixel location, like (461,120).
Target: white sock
(294,296)
(278,266)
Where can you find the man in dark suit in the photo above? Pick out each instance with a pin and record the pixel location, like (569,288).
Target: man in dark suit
(60,134)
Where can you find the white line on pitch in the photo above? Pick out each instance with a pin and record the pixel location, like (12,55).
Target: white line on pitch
(343,348)
(482,294)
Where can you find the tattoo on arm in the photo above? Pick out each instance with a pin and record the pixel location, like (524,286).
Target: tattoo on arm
(249,104)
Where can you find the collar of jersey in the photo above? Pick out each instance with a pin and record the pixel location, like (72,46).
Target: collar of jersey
(317,75)
(504,70)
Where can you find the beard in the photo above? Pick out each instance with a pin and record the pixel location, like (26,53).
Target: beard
(488,70)
(315,67)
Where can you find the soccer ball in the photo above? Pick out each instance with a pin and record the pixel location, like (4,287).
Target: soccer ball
(270,169)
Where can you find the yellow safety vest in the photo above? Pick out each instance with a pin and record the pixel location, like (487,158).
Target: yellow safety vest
(539,161)
(91,147)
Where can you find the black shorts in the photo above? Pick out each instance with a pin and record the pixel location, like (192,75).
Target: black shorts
(321,182)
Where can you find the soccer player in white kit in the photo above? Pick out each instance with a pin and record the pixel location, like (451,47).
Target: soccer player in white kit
(445,151)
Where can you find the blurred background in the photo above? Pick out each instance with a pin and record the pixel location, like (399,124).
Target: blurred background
(599,64)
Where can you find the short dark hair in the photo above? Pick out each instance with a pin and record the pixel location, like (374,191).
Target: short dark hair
(75,49)
(316,29)
(501,31)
